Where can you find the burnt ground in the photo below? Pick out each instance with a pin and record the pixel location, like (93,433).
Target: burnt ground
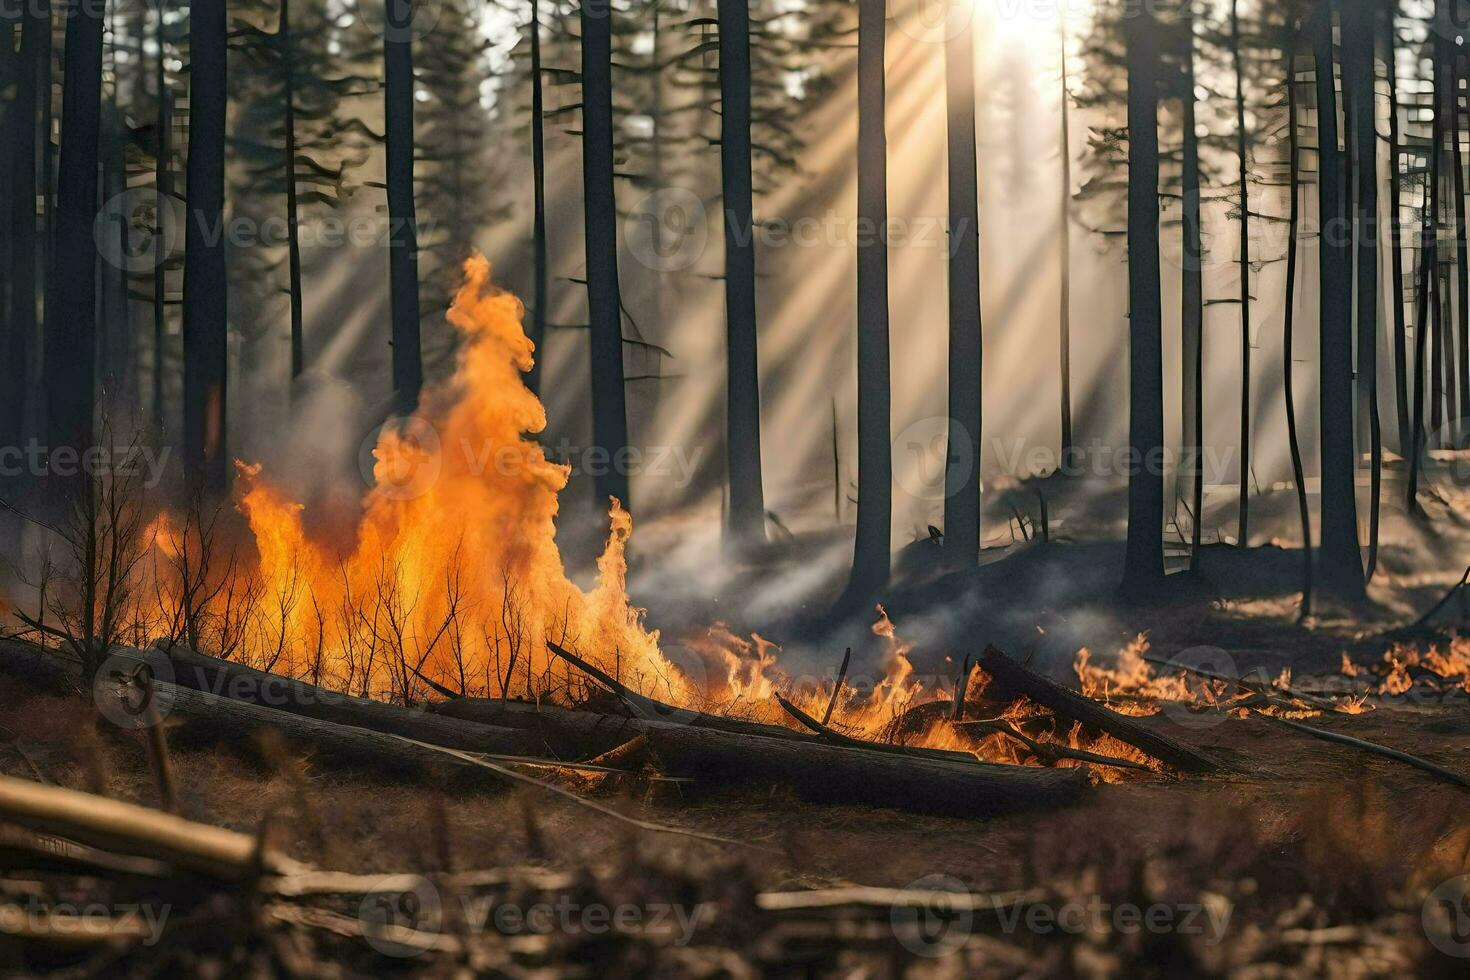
(1307,858)
(1322,860)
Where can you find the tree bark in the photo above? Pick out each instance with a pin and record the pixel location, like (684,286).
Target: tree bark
(1010,679)
(1192,313)
(1341,565)
(1361,89)
(743,406)
(818,772)
(403,247)
(1143,570)
(871,548)
(293,220)
(71,331)
(21,198)
(538,205)
(206,319)
(1064,244)
(962,464)
(1298,471)
(163,194)
(609,400)
(1242,161)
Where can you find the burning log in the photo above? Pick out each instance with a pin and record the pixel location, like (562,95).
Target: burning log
(1049,752)
(1262,687)
(828,734)
(643,706)
(1014,680)
(817,771)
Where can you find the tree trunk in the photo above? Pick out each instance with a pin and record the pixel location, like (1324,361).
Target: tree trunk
(1143,570)
(21,135)
(1361,89)
(1341,569)
(163,188)
(743,413)
(962,463)
(609,400)
(1429,300)
(403,247)
(71,333)
(293,213)
(1192,313)
(206,323)
(1400,326)
(1298,471)
(538,201)
(1462,269)
(1241,158)
(871,555)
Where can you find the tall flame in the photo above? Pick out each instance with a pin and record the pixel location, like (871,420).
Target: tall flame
(455,571)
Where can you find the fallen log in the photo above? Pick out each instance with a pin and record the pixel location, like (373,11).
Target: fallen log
(828,734)
(125,828)
(1014,679)
(1048,752)
(240,683)
(643,706)
(817,771)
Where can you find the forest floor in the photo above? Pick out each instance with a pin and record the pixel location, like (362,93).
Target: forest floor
(1306,858)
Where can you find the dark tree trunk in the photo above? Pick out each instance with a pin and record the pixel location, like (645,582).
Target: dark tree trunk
(609,400)
(71,335)
(21,230)
(538,202)
(871,556)
(1427,312)
(163,188)
(962,464)
(115,340)
(743,414)
(1242,161)
(1462,269)
(403,246)
(206,347)
(1361,84)
(1298,471)
(293,213)
(1400,326)
(1143,569)
(1192,303)
(1341,569)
